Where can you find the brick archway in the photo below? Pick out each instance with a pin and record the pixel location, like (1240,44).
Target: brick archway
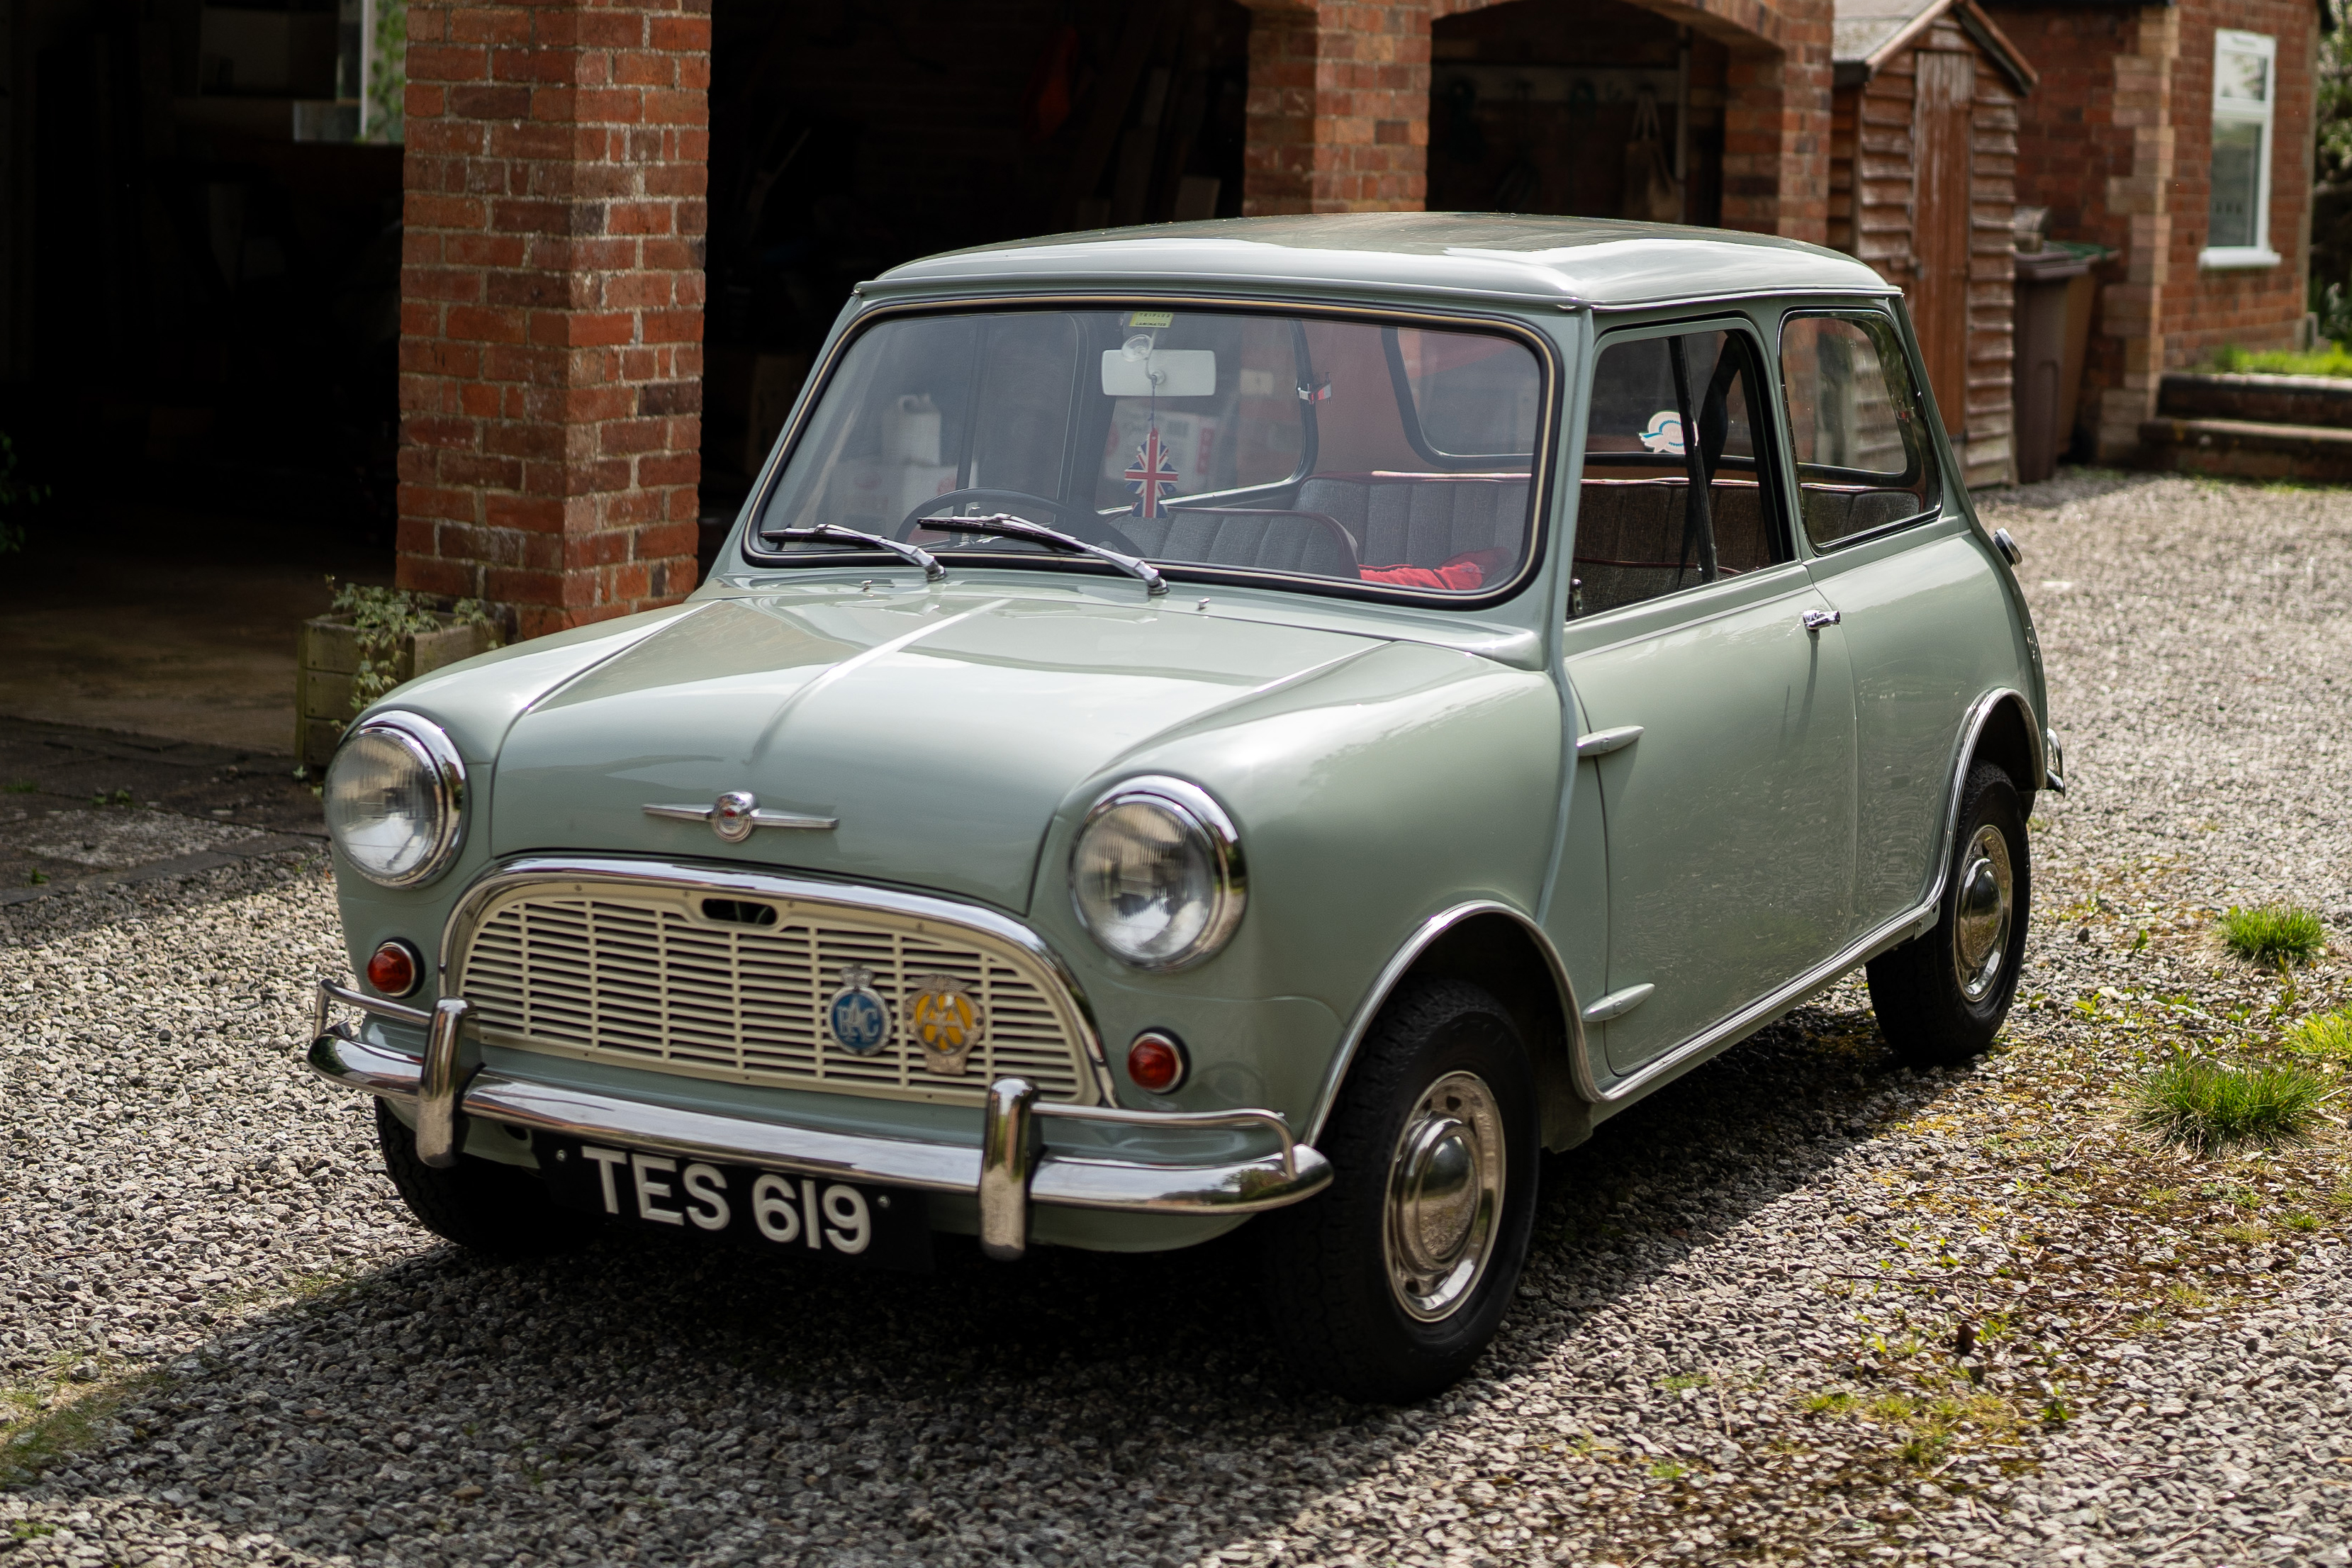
(1338,107)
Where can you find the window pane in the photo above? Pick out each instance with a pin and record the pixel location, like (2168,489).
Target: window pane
(1862,457)
(1640,531)
(2237,184)
(1251,441)
(2243,76)
(1473,393)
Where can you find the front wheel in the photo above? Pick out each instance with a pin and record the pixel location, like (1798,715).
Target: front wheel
(1942,997)
(1386,1287)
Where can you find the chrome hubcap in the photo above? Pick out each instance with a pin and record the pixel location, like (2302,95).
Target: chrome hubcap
(1445,1196)
(1981,931)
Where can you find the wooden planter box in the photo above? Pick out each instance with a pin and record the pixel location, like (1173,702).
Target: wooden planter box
(329,657)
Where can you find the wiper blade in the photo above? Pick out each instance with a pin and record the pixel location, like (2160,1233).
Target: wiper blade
(821,533)
(1005,525)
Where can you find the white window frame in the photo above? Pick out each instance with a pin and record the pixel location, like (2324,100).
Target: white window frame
(2238,111)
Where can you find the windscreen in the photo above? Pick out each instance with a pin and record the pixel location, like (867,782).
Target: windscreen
(1322,451)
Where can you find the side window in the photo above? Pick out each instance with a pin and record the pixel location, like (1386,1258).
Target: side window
(1863,460)
(1673,493)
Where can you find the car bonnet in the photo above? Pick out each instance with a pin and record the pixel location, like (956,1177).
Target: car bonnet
(940,730)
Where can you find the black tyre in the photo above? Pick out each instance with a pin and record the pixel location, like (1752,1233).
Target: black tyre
(1942,997)
(1386,1286)
(500,1211)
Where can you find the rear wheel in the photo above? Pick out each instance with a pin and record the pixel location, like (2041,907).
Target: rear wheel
(1387,1286)
(499,1210)
(1942,997)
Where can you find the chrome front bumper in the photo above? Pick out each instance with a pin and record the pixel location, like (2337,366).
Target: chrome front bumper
(1006,1172)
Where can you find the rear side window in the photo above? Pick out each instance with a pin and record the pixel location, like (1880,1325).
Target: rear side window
(1863,460)
(1672,495)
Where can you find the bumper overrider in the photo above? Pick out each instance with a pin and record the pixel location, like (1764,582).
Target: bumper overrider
(1008,1170)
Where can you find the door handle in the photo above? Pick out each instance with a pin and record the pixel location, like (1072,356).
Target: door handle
(1600,743)
(1816,619)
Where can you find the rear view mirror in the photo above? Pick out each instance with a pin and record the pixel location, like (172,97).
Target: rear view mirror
(1161,372)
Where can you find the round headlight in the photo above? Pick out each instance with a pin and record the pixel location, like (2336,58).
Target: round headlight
(1156,874)
(395,800)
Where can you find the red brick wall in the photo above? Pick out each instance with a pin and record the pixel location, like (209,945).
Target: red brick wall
(2117,141)
(2256,308)
(551,305)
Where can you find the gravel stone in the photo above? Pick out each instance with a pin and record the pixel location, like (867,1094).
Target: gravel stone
(1801,1307)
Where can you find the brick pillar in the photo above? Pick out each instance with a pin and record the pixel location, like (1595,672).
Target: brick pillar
(2131,309)
(1776,134)
(552,292)
(1338,109)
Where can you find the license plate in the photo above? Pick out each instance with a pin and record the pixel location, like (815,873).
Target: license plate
(844,1221)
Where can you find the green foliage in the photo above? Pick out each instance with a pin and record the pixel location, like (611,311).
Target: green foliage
(2275,933)
(382,617)
(2327,1035)
(388,75)
(16,498)
(2329,359)
(2205,1106)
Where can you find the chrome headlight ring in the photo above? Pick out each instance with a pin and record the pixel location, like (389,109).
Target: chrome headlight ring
(442,773)
(1204,829)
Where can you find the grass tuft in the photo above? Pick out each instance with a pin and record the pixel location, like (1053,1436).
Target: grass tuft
(2329,359)
(2275,933)
(2327,1035)
(2205,1106)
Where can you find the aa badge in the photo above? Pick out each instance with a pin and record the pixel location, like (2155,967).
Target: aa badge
(857,1015)
(946,1022)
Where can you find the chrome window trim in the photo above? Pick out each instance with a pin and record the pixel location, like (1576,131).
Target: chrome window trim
(852,899)
(432,746)
(1224,839)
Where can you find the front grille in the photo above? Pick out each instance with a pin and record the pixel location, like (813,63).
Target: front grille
(649,978)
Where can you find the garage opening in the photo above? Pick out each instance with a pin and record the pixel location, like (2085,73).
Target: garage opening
(846,139)
(1583,108)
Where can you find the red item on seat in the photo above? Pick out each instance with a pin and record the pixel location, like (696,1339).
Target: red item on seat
(1464,573)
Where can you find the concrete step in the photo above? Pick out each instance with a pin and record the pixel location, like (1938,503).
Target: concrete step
(2261,399)
(2247,448)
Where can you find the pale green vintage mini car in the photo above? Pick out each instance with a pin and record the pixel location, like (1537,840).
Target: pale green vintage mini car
(1278,720)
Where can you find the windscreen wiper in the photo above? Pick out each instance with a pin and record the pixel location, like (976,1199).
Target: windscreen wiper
(1007,526)
(821,533)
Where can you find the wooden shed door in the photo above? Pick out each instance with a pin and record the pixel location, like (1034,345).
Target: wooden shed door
(1940,225)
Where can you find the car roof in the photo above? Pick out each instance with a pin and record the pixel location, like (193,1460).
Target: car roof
(1602,263)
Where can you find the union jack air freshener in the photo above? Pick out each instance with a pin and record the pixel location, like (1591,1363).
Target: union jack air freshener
(1154,472)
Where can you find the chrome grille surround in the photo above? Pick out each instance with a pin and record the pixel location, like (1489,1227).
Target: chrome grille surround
(613,961)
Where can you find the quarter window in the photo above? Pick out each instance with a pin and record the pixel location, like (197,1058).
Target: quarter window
(1863,461)
(2246,70)
(1672,495)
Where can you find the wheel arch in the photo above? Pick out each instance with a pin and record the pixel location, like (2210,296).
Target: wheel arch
(2005,734)
(1499,949)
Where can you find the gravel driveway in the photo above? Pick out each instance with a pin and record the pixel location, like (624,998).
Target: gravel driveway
(1801,1307)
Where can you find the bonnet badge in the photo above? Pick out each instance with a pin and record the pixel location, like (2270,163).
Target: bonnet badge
(733,816)
(946,1022)
(857,1016)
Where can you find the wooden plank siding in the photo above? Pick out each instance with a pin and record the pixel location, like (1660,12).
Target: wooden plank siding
(1874,190)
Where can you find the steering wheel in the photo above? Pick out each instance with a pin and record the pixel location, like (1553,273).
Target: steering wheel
(1079,521)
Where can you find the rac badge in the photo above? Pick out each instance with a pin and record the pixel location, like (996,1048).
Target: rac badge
(946,1022)
(857,1015)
